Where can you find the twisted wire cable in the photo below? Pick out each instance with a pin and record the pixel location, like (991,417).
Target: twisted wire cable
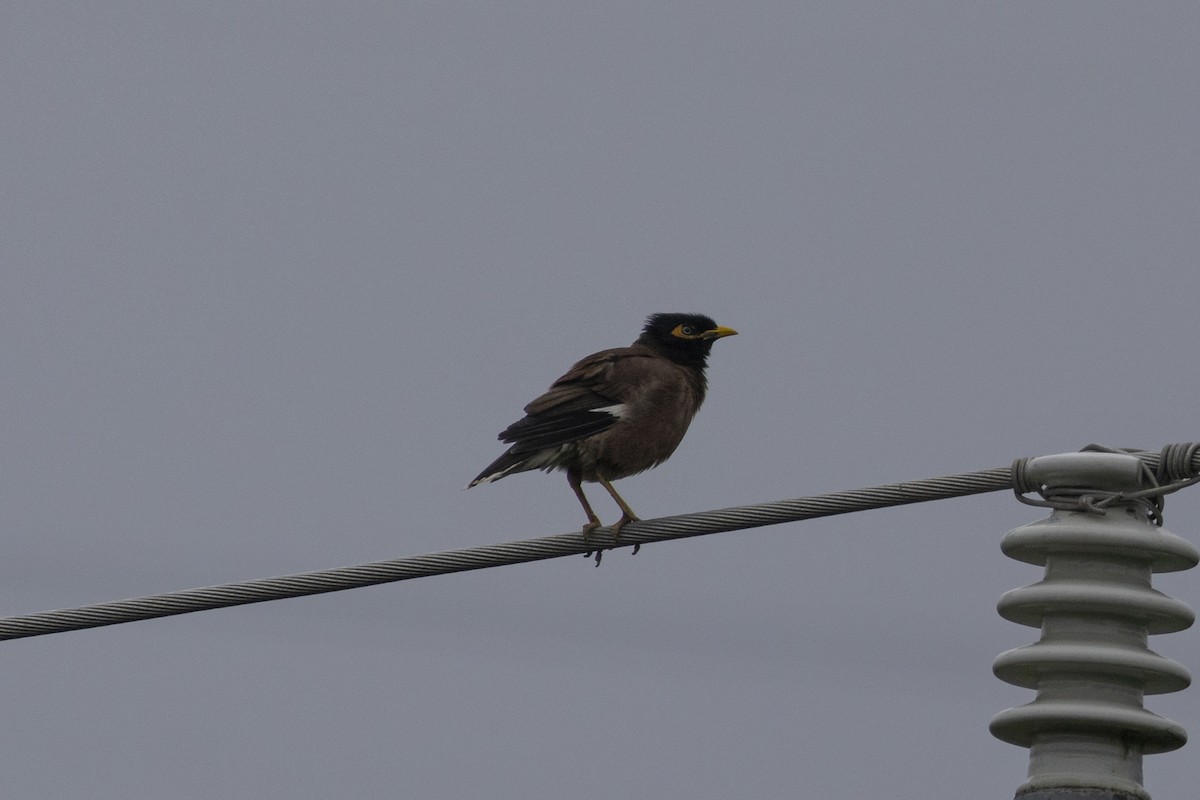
(519,552)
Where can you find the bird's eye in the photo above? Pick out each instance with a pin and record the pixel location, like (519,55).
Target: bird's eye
(686,330)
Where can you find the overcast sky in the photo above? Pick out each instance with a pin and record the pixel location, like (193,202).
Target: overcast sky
(274,277)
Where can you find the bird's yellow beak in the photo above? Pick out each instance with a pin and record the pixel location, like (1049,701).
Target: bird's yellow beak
(718,332)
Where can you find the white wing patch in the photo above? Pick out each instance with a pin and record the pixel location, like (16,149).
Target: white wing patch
(617,410)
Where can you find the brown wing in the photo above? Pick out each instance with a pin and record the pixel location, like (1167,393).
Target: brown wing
(585,401)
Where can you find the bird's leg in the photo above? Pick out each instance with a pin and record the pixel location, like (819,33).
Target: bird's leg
(575,479)
(627,514)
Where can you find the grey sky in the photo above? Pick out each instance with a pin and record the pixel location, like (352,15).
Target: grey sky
(275,276)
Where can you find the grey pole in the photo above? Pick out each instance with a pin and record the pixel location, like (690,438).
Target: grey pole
(1087,729)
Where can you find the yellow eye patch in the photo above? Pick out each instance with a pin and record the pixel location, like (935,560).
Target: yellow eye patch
(686,332)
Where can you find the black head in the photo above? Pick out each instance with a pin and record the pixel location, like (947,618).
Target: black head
(683,338)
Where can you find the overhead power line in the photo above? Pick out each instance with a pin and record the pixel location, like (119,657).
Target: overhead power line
(1184,461)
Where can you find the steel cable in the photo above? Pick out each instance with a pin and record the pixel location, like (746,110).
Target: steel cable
(518,552)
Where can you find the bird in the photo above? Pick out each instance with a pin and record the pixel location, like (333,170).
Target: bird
(615,413)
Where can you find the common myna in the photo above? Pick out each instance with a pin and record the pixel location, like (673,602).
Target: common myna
(615,413)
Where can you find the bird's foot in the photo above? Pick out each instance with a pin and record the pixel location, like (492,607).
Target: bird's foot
(621,523)
(588,527)
(625,518)
(592,524)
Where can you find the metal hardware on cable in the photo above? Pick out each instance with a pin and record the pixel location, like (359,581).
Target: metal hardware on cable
(1164,473)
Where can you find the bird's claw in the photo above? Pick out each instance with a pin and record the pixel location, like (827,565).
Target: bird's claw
(588,527)
(621,523)
(625,518)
